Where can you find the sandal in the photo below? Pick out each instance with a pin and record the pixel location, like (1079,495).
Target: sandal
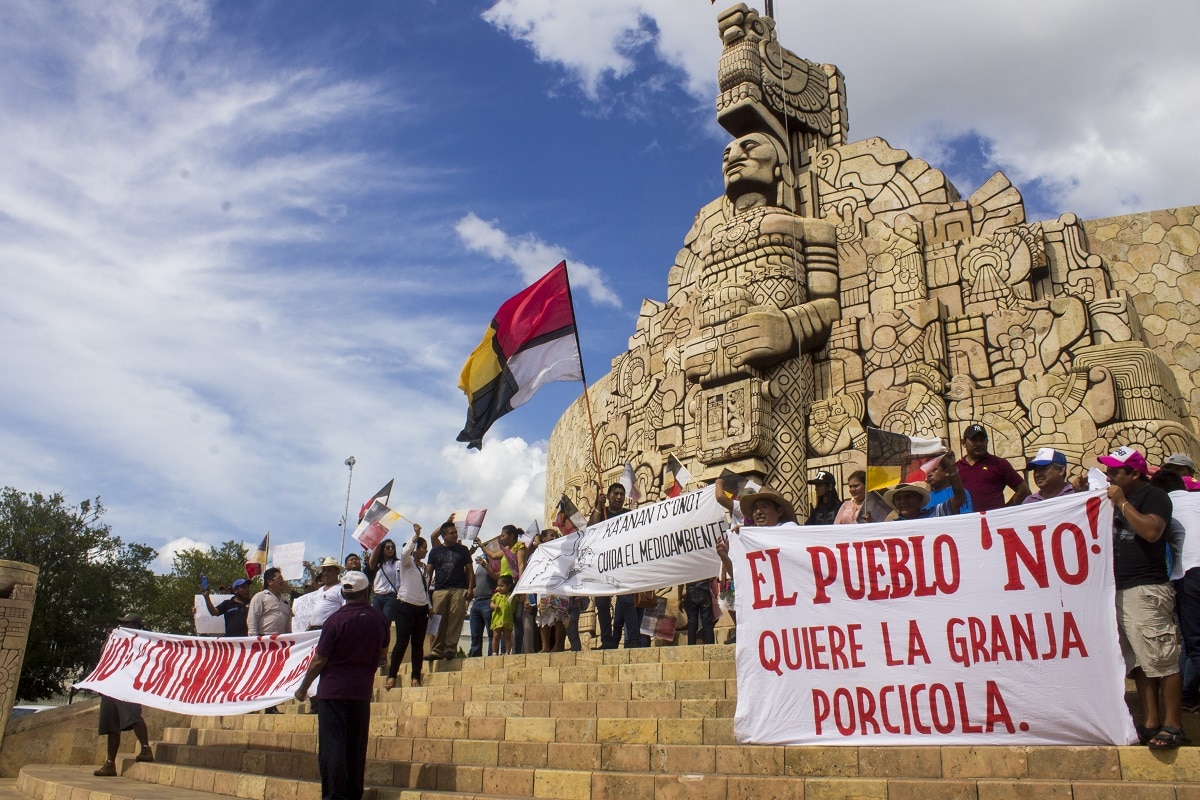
(1145,734)
(1168,738)
(390,683)
(415,682)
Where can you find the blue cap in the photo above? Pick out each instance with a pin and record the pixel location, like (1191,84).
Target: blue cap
(240,582)
(1047,456)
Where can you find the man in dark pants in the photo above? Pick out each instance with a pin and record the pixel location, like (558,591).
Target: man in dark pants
(608,504)
(117,716)
(353,640)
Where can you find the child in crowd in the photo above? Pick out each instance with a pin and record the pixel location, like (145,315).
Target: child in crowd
(502,616)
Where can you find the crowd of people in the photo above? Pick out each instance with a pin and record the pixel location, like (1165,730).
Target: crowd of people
(437,587)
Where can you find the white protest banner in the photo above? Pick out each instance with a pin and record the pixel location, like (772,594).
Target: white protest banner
(302,611)
(207,624)
(202,676)
(971,630)
(670,542)
(375,525)
(290,560)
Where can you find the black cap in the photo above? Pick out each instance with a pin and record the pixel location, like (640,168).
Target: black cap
(974,430)
(822,477)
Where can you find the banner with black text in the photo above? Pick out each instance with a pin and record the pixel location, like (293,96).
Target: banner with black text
(979,629)
(663,544)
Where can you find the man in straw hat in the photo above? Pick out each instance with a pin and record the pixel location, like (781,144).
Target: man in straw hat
(328,593)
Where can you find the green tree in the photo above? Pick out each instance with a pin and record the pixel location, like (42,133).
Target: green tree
(171,611)
(87,578)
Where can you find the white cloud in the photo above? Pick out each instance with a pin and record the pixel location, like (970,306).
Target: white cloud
(166,554)
(532,257)
(1096,100)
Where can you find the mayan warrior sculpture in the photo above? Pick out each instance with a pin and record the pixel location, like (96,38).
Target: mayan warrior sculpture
(839,285)
(766,296)
(18,585)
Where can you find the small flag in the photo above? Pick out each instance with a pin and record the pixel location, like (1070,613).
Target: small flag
(568,519)
(468,524)
(680,477)
(732,483)
(384,495)
(375,525)
(629,481)
(894,458)
(256,562)
(531,342)
(533,530)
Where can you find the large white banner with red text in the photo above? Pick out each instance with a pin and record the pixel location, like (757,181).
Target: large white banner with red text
(995,628)
(202,676)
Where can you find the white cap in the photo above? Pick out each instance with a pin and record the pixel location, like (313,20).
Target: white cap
(355,582)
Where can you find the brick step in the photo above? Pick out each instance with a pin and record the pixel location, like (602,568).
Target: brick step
(1121,764)
(162,782)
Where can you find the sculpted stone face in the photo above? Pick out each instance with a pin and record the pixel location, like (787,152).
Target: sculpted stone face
(750,162)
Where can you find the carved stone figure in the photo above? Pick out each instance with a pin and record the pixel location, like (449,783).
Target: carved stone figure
(839,285)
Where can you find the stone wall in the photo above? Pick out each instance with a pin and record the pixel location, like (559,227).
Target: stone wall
(1155,258)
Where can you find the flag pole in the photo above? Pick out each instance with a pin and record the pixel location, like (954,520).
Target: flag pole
(587,401)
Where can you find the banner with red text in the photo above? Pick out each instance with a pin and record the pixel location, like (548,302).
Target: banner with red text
(972,630)
(202,676)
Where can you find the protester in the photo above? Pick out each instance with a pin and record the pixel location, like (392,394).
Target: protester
(453,583)
(412,609)
(856,484)
(328,593)
(1145,599)
(383,569)
(764,508)
(985,475)
(354,563)
(940,488)
(116,716)
(696,602)
(269,613)
(480,614)
(513,557)
(234,609)
(828,503)
(1049,475)
(1181,464)
(501,606)
(353,639)
(575,607)
(609,504)
(1185,512)
(909,500)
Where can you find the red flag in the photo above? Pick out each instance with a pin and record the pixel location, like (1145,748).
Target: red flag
(383,496)
(530,343)
(256,562)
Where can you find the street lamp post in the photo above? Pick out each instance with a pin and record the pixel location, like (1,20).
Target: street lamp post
(349,462)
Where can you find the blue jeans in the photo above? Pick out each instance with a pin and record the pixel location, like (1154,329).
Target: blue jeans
(577,606)
(481,619)
(628,617)
(1187,603)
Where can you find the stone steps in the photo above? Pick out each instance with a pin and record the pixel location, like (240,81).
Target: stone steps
(656,724)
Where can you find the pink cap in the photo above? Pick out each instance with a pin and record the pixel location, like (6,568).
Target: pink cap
(1125,457)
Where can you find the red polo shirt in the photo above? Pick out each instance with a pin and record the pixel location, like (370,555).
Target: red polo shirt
(986,479)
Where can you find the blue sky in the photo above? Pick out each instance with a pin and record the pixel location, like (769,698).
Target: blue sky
(241,241)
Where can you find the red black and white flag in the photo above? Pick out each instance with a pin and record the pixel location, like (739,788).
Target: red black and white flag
(384,495)
(256,562)
(568,518)
(894,458)
(531,342)
(675,477)
(629,481)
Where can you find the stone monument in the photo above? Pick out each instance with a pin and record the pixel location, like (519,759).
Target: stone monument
(843,285)
(18,585)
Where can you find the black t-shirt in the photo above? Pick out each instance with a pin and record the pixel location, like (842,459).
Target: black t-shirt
(1137,562)
(235,617)
(449,565)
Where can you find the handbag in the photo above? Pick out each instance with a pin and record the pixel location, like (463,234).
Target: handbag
(646,599)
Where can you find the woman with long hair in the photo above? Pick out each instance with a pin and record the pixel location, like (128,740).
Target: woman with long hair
(856,484)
